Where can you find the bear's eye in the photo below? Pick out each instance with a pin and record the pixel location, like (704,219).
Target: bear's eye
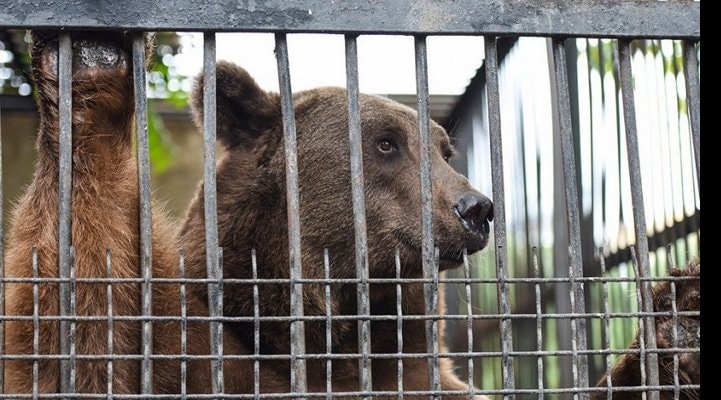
(386,146)
(447,157)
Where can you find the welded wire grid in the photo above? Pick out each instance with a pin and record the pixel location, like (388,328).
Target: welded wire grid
(514,354)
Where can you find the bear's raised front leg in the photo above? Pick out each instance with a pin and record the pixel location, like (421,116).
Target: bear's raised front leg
(104,216)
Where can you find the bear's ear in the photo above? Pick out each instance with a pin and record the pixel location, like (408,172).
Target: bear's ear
(243,111)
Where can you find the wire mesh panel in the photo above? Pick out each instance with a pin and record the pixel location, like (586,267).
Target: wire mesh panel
(331,249)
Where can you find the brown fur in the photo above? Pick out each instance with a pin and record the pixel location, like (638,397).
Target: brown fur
(251,216)
(627,370)
(105,216)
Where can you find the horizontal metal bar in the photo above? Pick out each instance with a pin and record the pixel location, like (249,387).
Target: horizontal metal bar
(353,394)
(627,18)
(305,281)
(352,356)
(356,394)
(389,317)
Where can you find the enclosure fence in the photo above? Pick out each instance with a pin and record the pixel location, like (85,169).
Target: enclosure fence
(625,23)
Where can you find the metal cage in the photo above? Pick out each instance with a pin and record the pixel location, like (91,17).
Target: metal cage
(497,21)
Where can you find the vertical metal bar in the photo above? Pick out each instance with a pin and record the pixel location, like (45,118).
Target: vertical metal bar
(428,246)
(399,324)
(606,325)
(210,205)
(67,384)
(693,97)
(499,209)
(73,321)
(674,320)
(572,209)
(183,328)
(634,170)
(359,211)
(574,335)
(297,328)
(146,249)
(469,321)
(109,298)
(328,327)
(256,325)
(539,320)
(36,325)
(643,355)
(2,265)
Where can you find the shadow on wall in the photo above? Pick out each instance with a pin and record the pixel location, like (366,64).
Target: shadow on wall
(174,187)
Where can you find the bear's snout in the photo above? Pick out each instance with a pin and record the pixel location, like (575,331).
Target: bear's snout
(475,212)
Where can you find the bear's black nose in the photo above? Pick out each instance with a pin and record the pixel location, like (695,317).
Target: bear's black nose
(475,211)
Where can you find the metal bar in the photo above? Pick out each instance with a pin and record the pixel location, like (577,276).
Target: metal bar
(539,321)
(641,325)
(572,209)
(146,249)
(328,328)
(606,326)
(297,328)
(349,356)
(321,318)
(256,324)
(399,324)
(109,298)
(36,326)
(65,73)
(359,210)
(249,281)
(634,170)
(203,281)
(73,320)
(589,18)
(574,337)
(349,394)
(428,246)
(674,319)
(2,263)
(210,206)
(693,98)
(183,329)
(469,323)
(499,208)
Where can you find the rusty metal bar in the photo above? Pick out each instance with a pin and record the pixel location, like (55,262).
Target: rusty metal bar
(399,324)
(639,217)
(359,210)
(297,328)
(65,73)
(539,321)
(693,98)
(572,213)
(109,340)
(210,207)
(587,18)
(499,208)
(146,234)
(429,257)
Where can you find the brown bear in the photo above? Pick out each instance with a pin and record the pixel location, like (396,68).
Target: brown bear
(104,217)
(626,371)
(251,220)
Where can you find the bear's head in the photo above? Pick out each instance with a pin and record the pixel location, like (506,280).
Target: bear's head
(251,182)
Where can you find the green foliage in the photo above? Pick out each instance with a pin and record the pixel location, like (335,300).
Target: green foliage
(164,85)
